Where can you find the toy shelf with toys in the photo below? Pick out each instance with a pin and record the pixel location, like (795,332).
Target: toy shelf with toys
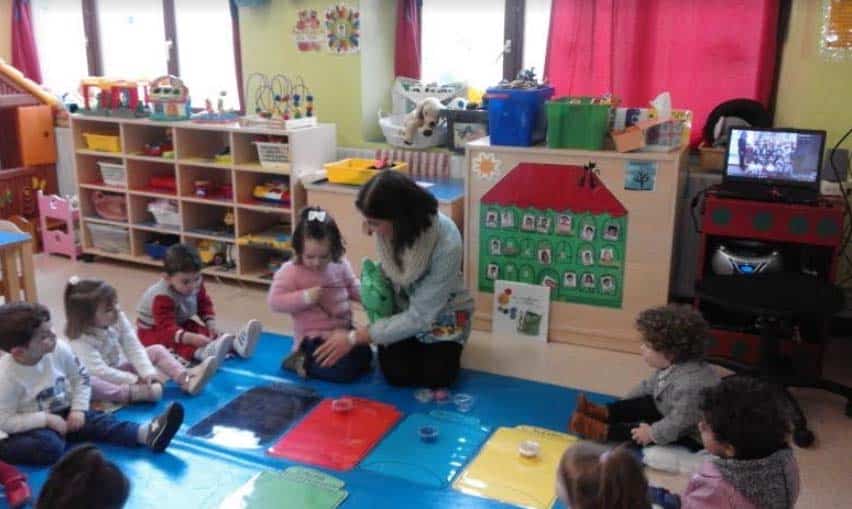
(229,190)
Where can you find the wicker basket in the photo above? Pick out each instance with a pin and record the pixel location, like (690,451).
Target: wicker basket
(113,174)
(273,156)
(113,239)
(393,128)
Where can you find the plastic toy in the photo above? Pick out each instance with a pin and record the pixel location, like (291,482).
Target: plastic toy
(463,402)
(342,405)
(163,183)
(428,434)
(376,291)
(273,191)
(276,237)
(112,98)
(169,99)
(162,148)
(217,116)
(202,188)
(216,253)
(156,247)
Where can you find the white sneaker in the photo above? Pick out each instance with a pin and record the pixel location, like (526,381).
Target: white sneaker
(218,349)
(246,341)
(198,376)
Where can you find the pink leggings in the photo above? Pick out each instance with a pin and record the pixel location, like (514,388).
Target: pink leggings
(161,358)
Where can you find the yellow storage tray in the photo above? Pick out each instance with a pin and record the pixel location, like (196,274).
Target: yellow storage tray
(499,472)
(102,142)
(357,171)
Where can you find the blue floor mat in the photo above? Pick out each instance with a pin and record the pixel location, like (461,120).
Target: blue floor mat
(195,473)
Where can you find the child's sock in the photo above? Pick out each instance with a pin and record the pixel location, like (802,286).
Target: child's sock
(246,340)
(158,433)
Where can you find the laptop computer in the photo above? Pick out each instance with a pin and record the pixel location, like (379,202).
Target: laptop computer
(776,164)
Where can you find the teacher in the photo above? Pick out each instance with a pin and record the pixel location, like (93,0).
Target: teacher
(420,251)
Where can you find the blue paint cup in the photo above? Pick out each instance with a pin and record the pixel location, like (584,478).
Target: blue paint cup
(428,434)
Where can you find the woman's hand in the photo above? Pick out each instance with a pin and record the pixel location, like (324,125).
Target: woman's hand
(642,434)
(334,348)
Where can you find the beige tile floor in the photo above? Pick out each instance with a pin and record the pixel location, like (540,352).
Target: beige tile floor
(826,467)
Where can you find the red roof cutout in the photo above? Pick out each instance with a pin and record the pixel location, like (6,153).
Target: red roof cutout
(556,187)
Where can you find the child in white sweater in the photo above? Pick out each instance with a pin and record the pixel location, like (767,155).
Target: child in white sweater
(104,340)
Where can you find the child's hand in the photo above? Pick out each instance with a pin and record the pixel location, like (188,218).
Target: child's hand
(57,424)
(194,339)
(149,379)
(312,295)
(642,434)
(213,330)
(76,420)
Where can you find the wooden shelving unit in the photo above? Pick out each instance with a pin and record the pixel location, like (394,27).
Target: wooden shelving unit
(195,145)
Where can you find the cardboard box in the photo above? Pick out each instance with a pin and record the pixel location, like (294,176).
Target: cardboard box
(633,137)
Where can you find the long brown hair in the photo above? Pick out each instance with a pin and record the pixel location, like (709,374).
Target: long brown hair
(82,297)
(594,478)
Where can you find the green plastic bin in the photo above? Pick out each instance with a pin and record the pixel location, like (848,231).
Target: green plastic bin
(575,122)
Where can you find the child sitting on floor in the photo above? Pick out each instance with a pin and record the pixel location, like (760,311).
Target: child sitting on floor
(105,342)
(316,288)
(167,313)
(84,478)
(45,392)
(590,477)
(745,427)
(663,409)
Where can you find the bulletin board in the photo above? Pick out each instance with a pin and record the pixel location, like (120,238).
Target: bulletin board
(630,243)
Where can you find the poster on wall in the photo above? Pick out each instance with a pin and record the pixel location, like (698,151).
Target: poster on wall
(521,310)
(556,226)
(308,31)
(343,29)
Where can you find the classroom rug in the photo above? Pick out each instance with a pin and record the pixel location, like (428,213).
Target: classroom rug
(195,473)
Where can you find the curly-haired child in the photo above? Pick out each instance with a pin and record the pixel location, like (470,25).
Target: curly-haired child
(745,427)
(662,409)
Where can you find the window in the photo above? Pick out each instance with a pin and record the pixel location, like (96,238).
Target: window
(140,39)
(63,59)
(469,41)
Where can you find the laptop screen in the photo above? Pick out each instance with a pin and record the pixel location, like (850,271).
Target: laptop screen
(775,157)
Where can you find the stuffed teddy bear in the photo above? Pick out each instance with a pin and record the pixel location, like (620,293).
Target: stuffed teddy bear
(425,116)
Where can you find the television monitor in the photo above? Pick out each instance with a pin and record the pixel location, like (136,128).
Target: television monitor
(775,158)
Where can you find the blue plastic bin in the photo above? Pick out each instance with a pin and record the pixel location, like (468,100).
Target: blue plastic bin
(517,116)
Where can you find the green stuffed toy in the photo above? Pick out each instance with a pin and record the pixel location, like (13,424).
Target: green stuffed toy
(376,291)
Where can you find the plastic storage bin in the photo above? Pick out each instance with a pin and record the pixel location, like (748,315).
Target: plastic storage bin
(357,171)
(272,155)
(516,116)
(577,122)
(165,212)
(102,142)
(113,174)
(113,239)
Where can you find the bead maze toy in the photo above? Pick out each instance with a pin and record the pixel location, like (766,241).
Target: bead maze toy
(279,102)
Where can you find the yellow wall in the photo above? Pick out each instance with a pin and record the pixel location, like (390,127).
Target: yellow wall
(6,30)
(337,82)
(813,91)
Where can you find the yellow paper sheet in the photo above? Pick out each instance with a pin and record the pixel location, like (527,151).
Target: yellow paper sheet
(499,471)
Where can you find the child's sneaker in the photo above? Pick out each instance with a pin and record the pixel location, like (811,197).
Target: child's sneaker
(246,341)
(197,377)
(218,349)
(149,393)
(163,428)
(17,491)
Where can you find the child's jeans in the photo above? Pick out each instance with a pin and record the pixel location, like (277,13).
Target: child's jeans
(161,358)
(348,368)
(626,414)
(150,337)
(44,446)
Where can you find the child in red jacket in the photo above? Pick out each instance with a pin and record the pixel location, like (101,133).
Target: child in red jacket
(172,311)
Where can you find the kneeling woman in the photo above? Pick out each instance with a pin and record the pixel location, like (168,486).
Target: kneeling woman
(420,251)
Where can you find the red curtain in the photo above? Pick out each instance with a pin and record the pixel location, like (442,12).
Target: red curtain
(407,55)
(24,52)
(702,51)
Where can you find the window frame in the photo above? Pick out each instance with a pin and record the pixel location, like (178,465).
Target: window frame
(94,48)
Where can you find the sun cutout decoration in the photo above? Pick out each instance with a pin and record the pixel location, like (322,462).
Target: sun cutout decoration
(487,166)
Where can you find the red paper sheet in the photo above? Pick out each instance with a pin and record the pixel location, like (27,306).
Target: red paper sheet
(335,440)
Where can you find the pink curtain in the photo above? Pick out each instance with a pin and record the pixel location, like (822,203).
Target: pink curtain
(24,52)
(407,54)
(702,51)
